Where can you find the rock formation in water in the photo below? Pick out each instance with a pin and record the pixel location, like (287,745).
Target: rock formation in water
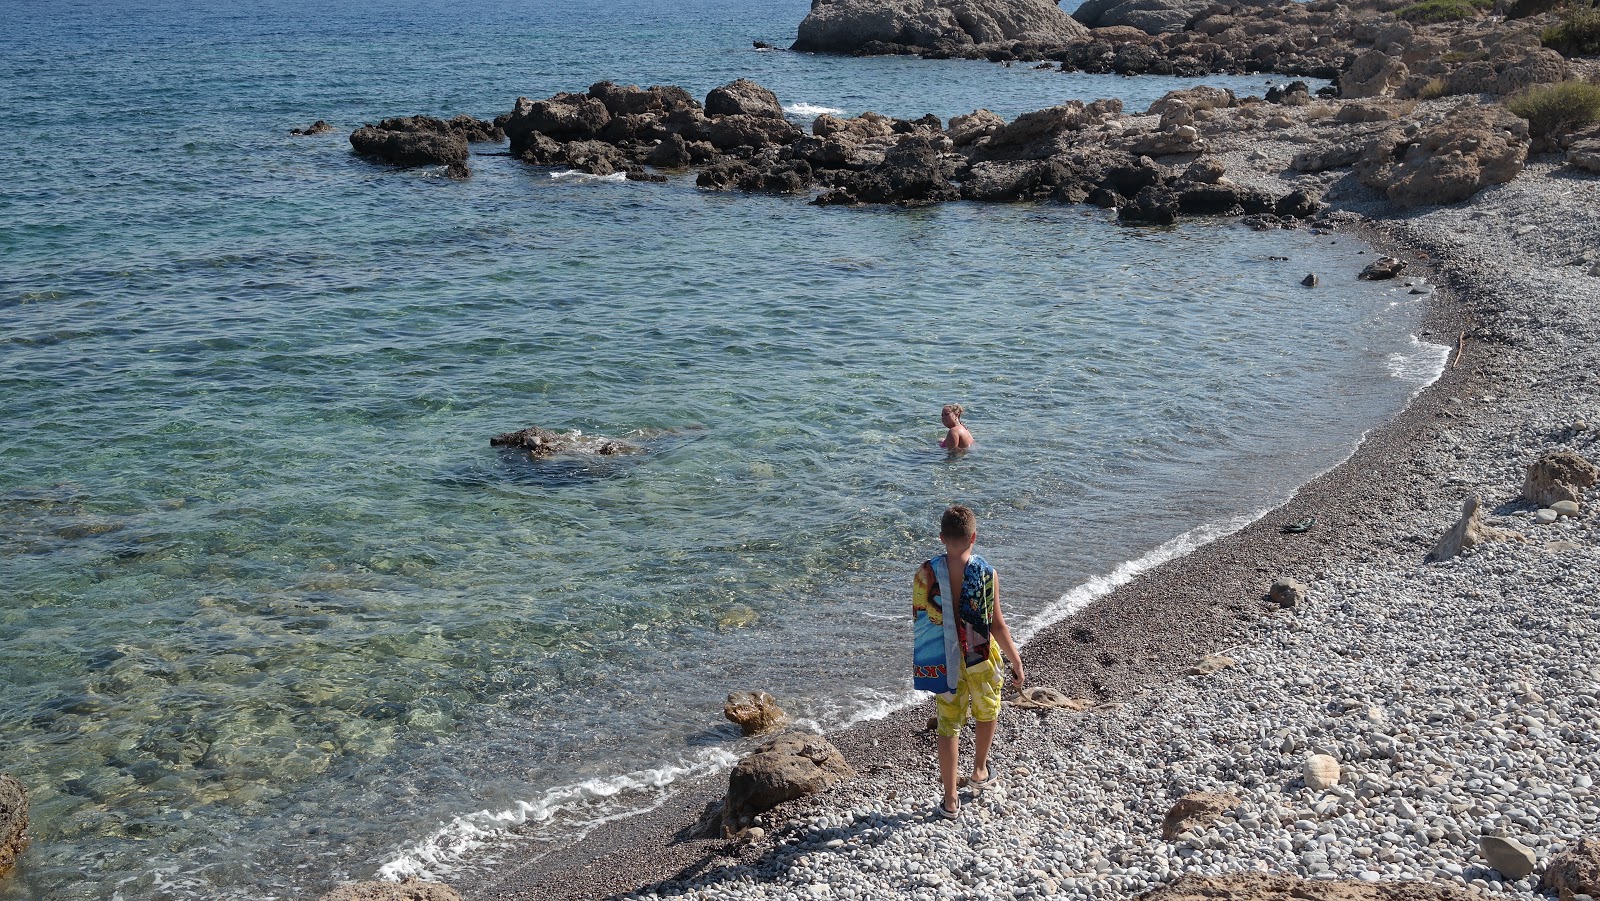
(541,443)
(950,26)
(424,140)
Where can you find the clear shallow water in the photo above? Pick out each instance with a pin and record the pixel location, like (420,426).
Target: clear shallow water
(272,611)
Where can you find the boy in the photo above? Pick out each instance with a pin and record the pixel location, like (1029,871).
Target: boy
(980,637)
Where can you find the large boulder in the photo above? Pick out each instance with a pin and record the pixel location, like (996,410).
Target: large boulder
(1558,476)
(848,26)
(1574,871)
(632,100)
(410,890)
(790,766)
(1042,133)
(1372,74)
(1469,530)
(13,821)
(564,117)
(1473,147)
(1149,16)
(743,98)
(728,132)
(1196,810)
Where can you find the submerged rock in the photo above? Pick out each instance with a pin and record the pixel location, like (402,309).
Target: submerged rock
(13,821)
(753,711)
(318,127)
(545,443)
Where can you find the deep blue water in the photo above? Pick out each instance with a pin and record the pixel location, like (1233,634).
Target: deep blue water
(272,613)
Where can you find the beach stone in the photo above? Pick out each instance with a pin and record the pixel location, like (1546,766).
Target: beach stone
(754,711)
(409,890)
(743,98)
(1311,280)
(1558,476)
(1565,508)
(1512,858)
(1546,517)
(1287,592)
(1383,268)
(790,766)
(849,26)
(1447,162)
(1574,871)
(1211,663)
(1321,772)
(13,821)
(1196,810)
(1273,887)
(1468,531)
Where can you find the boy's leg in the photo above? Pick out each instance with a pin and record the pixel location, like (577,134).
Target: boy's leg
(980,756)
(948,749)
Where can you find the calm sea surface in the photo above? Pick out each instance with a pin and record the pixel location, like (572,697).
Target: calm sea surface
(272,612)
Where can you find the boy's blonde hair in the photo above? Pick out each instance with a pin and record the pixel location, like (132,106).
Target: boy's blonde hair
(956,409)
(958,521)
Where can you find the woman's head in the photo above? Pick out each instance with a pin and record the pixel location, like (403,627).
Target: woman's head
(951,414)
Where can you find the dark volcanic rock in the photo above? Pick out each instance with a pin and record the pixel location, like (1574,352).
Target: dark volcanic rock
(728,132)
(743,98)
(949,26)
(1153,205)
(671,153)
(564,117)
(318,127)
(409,147)
(632,100)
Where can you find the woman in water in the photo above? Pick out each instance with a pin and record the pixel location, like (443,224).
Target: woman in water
(958,438)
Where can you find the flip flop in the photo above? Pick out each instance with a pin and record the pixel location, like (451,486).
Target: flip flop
(946,812)
(1298,526)
(979,785)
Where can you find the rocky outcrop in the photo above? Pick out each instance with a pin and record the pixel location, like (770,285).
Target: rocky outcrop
(1574,871)
(13,821)
(855,26)
(409,890)
(1196,810)
(753,712)
(790,766)
(1558,476)
(545,443)
(1149,16)
(1448,161)
(1263,887)
(1469,531)
(319,127)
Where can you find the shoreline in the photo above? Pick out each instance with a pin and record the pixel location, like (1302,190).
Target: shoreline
(1136,640)
(1378,513)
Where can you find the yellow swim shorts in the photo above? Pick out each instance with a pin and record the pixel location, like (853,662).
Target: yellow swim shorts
(979,689)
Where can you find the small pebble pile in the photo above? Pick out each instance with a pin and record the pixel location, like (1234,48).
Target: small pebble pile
(1458,702)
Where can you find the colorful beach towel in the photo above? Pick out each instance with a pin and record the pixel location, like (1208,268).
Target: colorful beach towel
(940,643)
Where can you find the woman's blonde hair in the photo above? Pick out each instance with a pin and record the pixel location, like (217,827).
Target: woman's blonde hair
(957,409)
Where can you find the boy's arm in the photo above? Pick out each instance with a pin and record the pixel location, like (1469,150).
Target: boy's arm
(1002,634)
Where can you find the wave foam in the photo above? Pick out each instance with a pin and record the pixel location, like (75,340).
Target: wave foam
(811,110)
(587,804)
(1422,364)
(1100,586)
(580,175)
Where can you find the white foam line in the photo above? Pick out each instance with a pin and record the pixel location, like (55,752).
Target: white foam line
(580,175)
(443,850)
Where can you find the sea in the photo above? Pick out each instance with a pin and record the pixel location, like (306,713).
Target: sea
(274,614)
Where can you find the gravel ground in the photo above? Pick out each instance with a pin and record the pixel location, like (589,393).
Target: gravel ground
(1461,698)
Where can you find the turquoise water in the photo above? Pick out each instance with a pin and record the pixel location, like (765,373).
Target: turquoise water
(272,611)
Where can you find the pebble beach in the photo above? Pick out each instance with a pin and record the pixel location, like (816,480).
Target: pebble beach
(1460,699)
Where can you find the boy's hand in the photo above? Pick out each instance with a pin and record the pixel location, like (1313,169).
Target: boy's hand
(1016,670)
